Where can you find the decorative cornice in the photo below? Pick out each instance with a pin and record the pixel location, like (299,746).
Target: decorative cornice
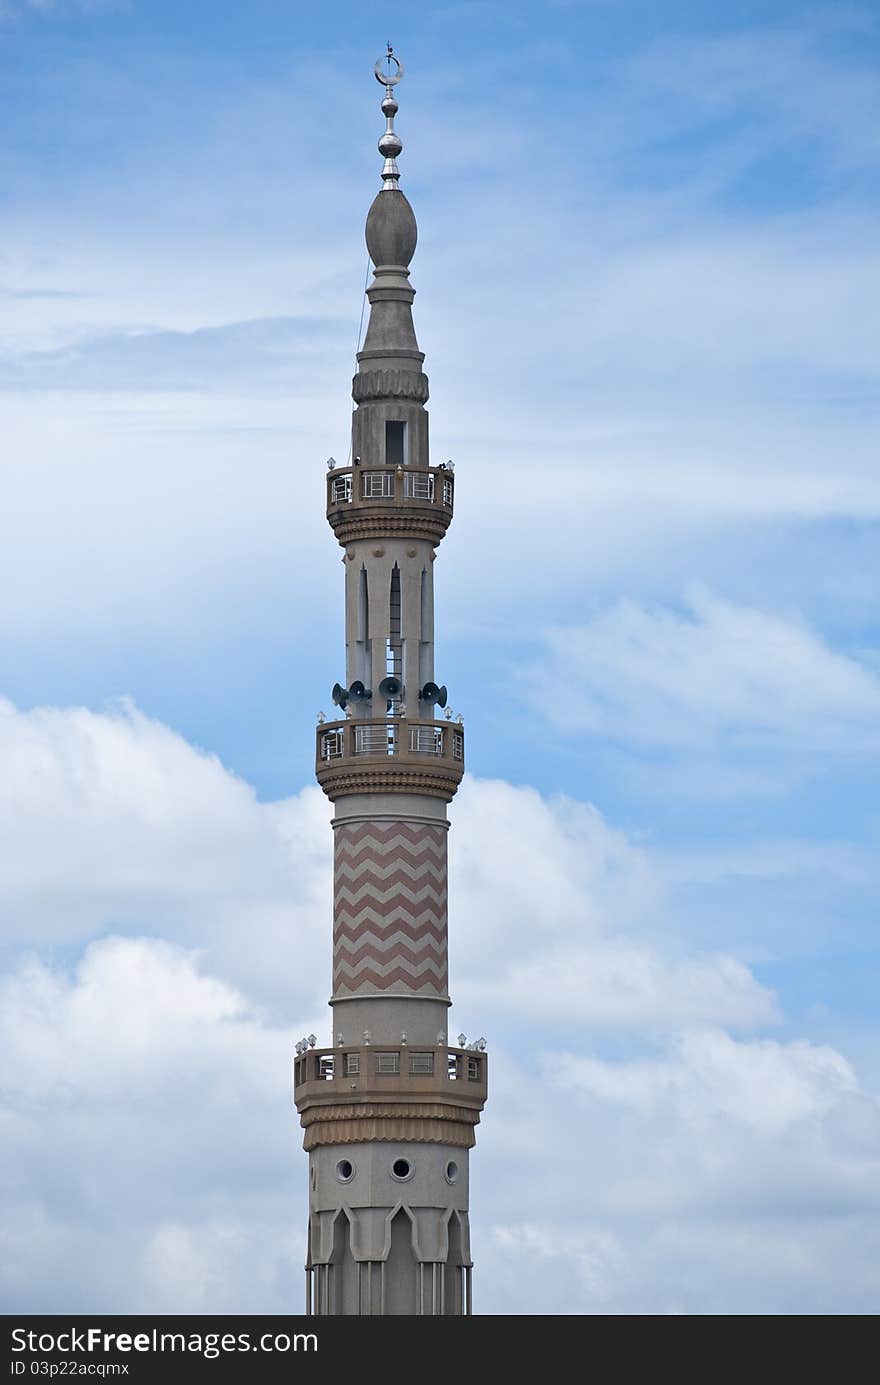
(438,783)
(419,1122)
(349,527)
(390,384)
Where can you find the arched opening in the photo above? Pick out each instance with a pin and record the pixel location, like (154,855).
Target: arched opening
(343,1289)
(395,443)
(401,1268)
(454,1287)
(362,663)
(426,631)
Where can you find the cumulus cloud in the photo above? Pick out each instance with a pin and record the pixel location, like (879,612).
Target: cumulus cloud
(117,823)
(149,1139)
(147,1112)
(760,1085)
(716,670)
(149,1134)
(698,362)
(559,929)
(715,1176)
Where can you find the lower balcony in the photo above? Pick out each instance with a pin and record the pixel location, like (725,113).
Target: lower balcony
(392,754)
(353,1095)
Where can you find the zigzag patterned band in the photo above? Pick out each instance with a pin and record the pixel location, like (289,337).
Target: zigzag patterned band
(390,909)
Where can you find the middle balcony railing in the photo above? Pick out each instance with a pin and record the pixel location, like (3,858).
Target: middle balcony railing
(395,745)
(350,739)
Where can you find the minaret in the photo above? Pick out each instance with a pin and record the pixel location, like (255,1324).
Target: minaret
(389,1109)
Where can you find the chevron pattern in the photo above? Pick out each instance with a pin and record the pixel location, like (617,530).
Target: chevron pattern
(389,928)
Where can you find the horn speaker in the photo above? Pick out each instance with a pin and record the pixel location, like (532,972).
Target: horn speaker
(432,693)
(390,687)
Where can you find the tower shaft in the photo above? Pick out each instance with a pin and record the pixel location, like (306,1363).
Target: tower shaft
(389,1108)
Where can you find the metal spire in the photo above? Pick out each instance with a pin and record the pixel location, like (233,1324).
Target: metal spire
(390,144)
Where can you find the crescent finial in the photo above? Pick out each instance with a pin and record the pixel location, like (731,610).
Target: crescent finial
(388,71)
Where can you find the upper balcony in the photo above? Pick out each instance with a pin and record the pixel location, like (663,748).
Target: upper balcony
(357,756)
(374,501)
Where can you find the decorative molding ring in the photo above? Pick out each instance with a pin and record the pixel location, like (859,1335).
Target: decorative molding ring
(336,782)
(422,1123)
(390,384)
(351,525)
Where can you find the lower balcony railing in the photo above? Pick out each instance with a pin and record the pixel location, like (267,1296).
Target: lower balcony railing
(392,1069)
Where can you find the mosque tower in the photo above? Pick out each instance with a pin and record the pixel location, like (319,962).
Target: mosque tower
(389,1109)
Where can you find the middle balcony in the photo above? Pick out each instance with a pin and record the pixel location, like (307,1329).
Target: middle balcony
(358,756)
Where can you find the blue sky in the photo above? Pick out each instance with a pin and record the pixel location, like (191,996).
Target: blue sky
(647,285)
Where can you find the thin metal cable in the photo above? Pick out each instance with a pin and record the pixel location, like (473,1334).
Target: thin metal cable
(358,347)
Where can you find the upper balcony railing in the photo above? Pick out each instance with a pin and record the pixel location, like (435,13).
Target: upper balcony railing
(366,487)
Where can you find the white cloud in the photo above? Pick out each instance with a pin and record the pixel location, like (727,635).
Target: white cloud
(116,823)
(761,1085)
(150,1135)
(714,1177)
(149,1138)
(51,9)
(717,672)
(698,365)
(701,371)
(147,1114)
(613,985)
(113,822)
(824,98)
(559,928)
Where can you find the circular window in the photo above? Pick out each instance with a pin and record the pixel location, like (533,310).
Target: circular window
(451,1171)
(345,1170)
(401,1168)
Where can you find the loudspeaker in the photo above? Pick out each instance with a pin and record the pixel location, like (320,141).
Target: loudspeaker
(339,695)
(431,693)
(390,687)
(358,693)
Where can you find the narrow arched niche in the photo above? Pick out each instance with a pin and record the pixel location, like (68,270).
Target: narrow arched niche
(454,1286)
(343,1271)
(401,1268)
